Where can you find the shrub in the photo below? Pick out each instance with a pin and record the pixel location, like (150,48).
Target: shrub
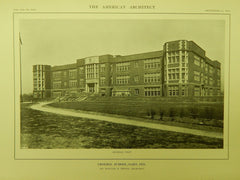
(208,113)
(152,113)
(172,113)
(194,112)
(182,112)
(161,113)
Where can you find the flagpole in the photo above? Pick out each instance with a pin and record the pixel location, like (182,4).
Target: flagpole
(20,58)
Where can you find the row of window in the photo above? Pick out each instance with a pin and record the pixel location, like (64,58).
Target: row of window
(39,88)
(172,60)
(124,66)
(199,76)
(58,74)
(38,73)
(177,53)
(148,78)
(102,67)
(72,73)
(176,70)
(208,68)
(174,91)
(122,79)
(152,91)
(92,69)
(58,84)
(196,75)
(152,77)
(176,76)
(152,63)
(91,75)
(205,92)
(102,80)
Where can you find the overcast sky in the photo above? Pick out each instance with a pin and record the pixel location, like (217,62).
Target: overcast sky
(57,42)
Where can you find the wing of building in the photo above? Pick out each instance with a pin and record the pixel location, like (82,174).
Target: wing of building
(180,69)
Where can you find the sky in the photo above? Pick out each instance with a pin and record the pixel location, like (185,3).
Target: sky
(62,41)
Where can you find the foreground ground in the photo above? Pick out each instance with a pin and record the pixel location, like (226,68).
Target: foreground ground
(50,131)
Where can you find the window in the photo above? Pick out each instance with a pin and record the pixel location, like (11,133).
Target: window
(173,90)
(169,60)
(183,75)
(183,58)
(122,79)
(57,84)
(152,63)
(210,81)
(206,79)
(196,91)
(137,91)
(183,91)
(56,74)
(206,67)
(91,71)
(122,66)
(177,59)
(135,64)
(173,74)
(102,67)
(196,60)
(64,73)
(81,70)
(218,72)
(81,82)
(202,63)
(102,80)
(202,78)
(210,92)
(72,73)
(196,76)
(152,91)
(151,77)
(72,83)
(111,80)
(205,91)
(136,78)
(210,69)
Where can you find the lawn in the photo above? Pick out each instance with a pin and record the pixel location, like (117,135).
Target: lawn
(41,130)
(198,115)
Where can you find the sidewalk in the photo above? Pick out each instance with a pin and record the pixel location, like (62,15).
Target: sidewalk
(122,120)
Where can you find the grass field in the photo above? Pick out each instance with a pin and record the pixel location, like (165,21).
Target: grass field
(41,130)
(203,115)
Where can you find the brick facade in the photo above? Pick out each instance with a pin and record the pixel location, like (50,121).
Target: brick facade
(180,69)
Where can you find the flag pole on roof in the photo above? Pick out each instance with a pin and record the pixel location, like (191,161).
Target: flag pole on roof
(20,39)
(20,59)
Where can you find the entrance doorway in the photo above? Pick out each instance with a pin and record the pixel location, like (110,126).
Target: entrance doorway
(91,87)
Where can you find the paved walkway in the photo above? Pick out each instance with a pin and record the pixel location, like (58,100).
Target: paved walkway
(122,120)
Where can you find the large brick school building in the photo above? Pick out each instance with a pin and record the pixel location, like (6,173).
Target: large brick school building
(180,69)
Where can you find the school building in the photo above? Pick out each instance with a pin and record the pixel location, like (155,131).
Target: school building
(180,69)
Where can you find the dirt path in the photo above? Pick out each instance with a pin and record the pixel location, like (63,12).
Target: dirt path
(122,120)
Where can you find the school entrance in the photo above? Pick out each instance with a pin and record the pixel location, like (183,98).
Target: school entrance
(92,87)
